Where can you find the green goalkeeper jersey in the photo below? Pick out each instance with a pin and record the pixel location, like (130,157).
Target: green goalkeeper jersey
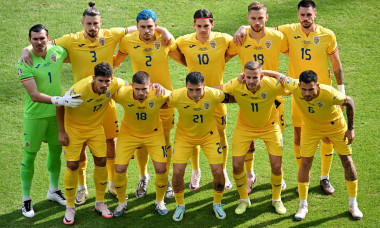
(47,75)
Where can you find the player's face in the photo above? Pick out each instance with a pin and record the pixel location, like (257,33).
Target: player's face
(203,28)
(92,25)
(253,79)
(309,90)
(141,91)
(146,29)
(39,41)
(195,91)
(306,15)
(257,19)
(101,84)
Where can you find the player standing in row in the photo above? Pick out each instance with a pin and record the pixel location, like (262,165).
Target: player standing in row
(205,52)
(42,82)
(263,45)
(148,53)
(322,118)
(84,125)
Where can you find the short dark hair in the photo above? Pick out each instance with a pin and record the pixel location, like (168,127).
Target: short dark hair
(37,28)
(203,13)
(252,65)
(306,4)
(195,78)
(91,11)
(308,76)
(256,6)
(141,77)
(103,69)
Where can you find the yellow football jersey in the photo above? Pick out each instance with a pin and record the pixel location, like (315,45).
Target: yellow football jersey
(321,113)
(256,111)
(207,58)
(266,52)
(90,113)
(195,119)
(310,52)
(84,54)
(152,58)
(141,119)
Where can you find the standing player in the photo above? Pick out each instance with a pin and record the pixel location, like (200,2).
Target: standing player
(197,127)
(84,125)
(262,45)
(205,52)
(42,82)
(257,119)
(141,127)
(322,118)
(147,52)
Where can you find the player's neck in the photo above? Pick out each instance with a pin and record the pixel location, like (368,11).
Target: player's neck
(309,30)
(92,39)
(255,90)
(202,39)
(41,54)
(148,41)
(257,35)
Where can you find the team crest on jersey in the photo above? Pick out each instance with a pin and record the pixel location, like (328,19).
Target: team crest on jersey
(320,104)
(102,41)
(213,44)
(157,45)
(316,40)
(19,71)
(151,104)
(27,144)
(264,95)
(53,58)
(268,44)
(108,94)
(206,105)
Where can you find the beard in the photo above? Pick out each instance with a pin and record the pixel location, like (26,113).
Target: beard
(257,29)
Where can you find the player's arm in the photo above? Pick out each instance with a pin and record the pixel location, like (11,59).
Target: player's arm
(239,37)
(118,59)
(62,137)
(227,56)
(166,35)
(274,74)
(178,56)
(26,57)
(338,70)
(350,111)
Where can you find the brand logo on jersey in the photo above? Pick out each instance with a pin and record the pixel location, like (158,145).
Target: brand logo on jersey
(213,44)
(151,104)
(306,42)
(203,49)
(19,71)
(140,107)
(268,43)
(38,66)
(108,94)
(131,105)
(53,58)
(316,40)
(187,106)
(157,45)
(135,47)
(148,49)
(191,46)
(297,37)
(99,100)
(89,100)
(247,46)
(264,95)
(320,104)
(288,80)
(206,105)
(244,94)
(197,109)
(81,45)
(102,41)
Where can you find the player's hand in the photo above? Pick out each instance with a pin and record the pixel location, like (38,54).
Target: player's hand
(350,136)
(166,37)
(239,37)
(160,90)
(26,58)
(241,78)
(67,100)
(63,138)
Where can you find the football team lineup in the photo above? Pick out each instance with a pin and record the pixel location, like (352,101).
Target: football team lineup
(85,116)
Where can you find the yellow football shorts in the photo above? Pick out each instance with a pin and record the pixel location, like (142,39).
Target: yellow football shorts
(296,114)
(110,122)
(220,115)
(167,118)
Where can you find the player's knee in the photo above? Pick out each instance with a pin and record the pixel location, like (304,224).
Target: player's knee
(218,173)
(28,159)
(72,165)
(120,168)
(237,168)
(161,169)
(100,161)
(276,169)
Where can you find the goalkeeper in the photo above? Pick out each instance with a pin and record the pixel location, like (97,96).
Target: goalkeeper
(42,82)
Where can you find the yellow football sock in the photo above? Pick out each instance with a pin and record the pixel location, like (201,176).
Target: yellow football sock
(179,198)
(161,184)
(121,186)
(297,155)
(327,151)
(303,188)
(70,181)
(169,150)
(218,197)
(142,160)
(248,163)
(110,168)
(224,145)
(352,188)
(82,173)
(100,180)
(195,158)
(241,184)
(276,181)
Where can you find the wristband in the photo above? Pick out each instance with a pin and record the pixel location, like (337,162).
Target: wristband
(341,89)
